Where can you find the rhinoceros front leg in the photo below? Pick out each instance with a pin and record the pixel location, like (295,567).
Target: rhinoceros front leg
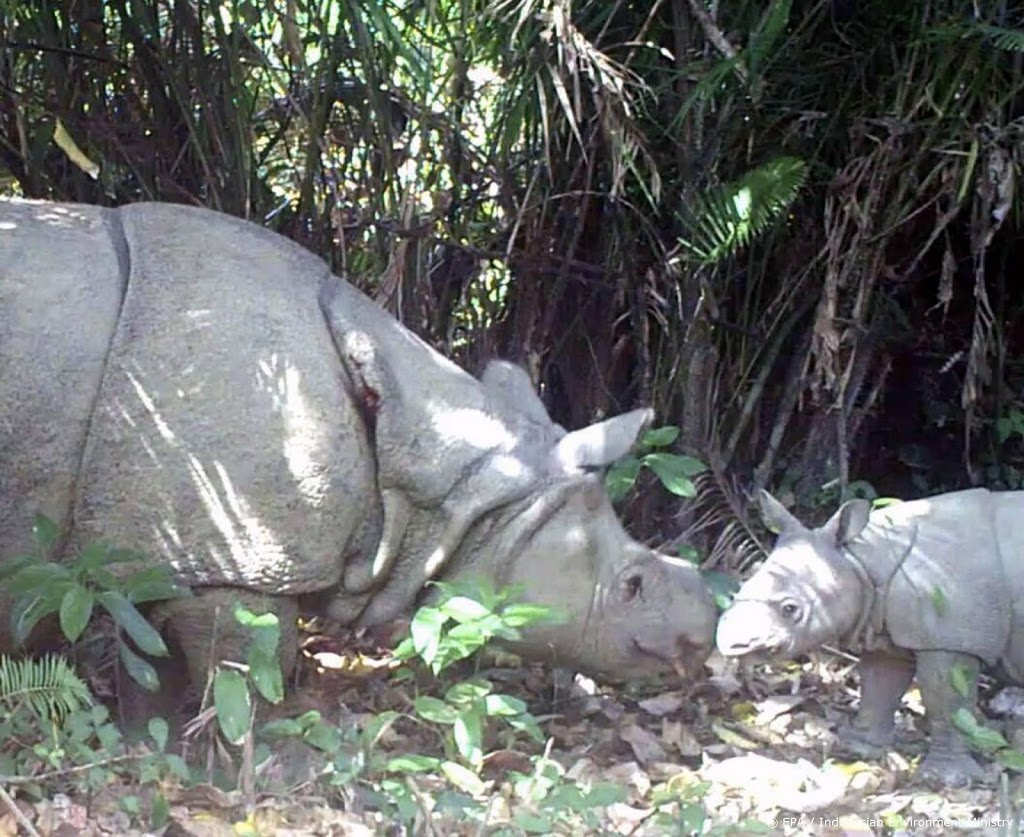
(884,677)
(949,760)
(204,629)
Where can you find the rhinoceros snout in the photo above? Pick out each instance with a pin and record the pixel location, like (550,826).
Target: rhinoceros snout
(746,629)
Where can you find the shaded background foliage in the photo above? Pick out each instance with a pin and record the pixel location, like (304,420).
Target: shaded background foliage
(604,191)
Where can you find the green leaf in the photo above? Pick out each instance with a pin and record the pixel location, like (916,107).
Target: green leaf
(425,629)
(468,691)
(282,728)
(504,705)
(960,678)
(378,725)
(45,533)
(675,471)
(37,579)
(265,674)
(75,611)
(964,721)
(521,614)
(463,778)
(323,736)
(621,477)
(660,437)
(413,763)
(468,731)
(133,623)
(606,793)
(533,823)
(140,670)
(233,704)
(939,601)
(161,812)
(1014,759)
(463,609)
(158,731)
(434,710)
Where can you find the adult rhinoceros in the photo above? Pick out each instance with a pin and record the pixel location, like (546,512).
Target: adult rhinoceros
(192,386)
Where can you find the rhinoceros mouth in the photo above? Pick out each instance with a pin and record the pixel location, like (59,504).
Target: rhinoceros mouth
(687,662)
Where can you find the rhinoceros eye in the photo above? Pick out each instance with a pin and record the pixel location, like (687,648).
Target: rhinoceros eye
(633,586)
(790,610)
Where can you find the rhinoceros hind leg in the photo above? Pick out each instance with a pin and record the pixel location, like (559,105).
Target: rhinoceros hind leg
(949,761)
(884,677)
(204,630)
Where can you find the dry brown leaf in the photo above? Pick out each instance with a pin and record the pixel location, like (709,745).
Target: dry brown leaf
(644,744)
(678,735)
(662,704)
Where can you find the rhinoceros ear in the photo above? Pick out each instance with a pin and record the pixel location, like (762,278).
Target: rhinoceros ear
(510,382)
(848,521)
(602,443)
(775,515)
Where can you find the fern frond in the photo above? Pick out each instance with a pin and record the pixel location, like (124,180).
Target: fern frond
(1008,40)
(726,218)
(48,686)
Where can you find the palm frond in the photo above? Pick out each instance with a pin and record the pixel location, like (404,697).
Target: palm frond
(48,686)
(726,218)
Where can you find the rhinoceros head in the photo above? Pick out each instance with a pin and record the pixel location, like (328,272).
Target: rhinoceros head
(630,610)
(477,480)
(805,594)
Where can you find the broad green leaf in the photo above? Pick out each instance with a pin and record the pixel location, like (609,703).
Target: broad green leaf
(964,721)
(45,533)
(140,670)
(425,629)
(621,477)
(435,710)
(468,690)
(412,763)
(463,609)
(158,731)
(37,578)
(659,437)
(675,471)
(939,601)
(533,823)
(233,704)
(282,728)
(94,555)
(606,793)
(468,731)
(521,614)
(323,736)
(960,678)
(377,726)
(504,705)
(265,674)
(75,611)
(463,778)
(1014,759)
(133,623)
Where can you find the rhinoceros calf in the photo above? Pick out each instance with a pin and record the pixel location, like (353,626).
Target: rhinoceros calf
(192,386)
(921,587)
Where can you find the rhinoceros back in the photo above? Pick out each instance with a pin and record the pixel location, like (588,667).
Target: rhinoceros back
(220,437)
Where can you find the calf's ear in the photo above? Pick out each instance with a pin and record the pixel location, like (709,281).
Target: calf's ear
(848,521)
(775,515)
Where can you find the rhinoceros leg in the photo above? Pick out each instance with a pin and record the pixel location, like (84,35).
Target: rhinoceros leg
(949,760)
(884,677)
(205,630)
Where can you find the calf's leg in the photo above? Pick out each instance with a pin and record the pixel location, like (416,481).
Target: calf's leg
(884,677)
(949,760)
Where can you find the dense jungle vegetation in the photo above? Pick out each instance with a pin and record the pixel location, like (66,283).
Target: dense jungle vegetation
(791,226)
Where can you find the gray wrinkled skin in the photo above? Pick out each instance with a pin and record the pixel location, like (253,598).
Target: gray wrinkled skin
(918,589)
(194,387)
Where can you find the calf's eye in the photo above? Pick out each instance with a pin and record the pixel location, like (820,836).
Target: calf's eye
(790,610)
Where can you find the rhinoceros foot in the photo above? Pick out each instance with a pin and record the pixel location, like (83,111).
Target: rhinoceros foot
(942,769)
(861,743)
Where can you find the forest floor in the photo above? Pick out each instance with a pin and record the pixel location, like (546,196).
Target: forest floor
(709,758)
